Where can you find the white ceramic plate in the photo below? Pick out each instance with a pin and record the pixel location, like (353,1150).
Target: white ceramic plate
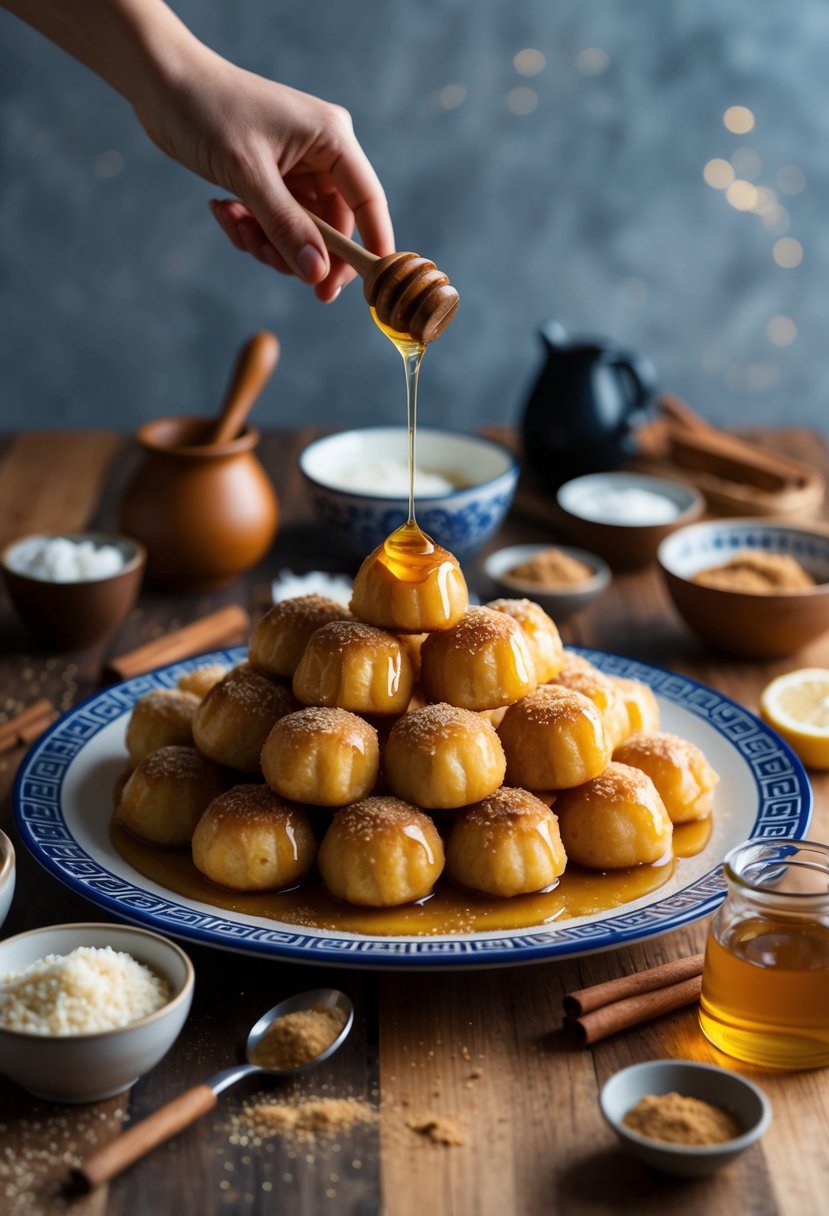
(63,801)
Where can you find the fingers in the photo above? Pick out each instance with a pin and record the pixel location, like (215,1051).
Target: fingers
(359,185)
(245,232)
(290,230)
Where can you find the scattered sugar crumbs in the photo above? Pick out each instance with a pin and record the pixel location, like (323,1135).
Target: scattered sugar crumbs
(36,1153)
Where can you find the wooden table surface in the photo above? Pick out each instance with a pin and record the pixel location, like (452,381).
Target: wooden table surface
(484,1047)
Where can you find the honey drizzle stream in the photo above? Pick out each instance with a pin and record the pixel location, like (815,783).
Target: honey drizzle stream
(412,353)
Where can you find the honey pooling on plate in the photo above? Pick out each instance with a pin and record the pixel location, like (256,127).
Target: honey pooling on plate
(409,583)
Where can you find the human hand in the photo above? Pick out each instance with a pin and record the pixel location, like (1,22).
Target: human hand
(278,151)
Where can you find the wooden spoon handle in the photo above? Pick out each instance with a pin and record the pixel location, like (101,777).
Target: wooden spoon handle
(335,242)
(114,1157)
(678,411)
(254,368)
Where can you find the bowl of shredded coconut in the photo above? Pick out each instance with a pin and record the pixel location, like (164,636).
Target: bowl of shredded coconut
(86,1009)
(358,483)
(73,589)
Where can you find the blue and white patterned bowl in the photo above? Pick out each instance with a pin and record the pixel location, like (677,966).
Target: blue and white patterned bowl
(771,625)
(461,520)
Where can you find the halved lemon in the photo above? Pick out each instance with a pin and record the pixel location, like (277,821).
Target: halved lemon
(797,706)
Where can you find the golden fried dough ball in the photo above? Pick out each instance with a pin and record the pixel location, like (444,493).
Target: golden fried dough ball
(201,679)
(679,770)
(161,719)
(355,666)
(576,662)
(381,852)
(604,694)
(641,705)
(553,739)
(413,643)
(614,821)
(279,639)
(541,634)
(250,839)
(410,584)
(167,795)
(508,844)
(443,757)
(235,718)
(483,662)
(324,756)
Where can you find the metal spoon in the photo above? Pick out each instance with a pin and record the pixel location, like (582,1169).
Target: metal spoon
(173,1117)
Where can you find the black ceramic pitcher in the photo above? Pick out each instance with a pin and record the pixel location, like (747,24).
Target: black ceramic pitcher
(583,409)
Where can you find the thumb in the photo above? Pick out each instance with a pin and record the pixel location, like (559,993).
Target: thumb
(289,228)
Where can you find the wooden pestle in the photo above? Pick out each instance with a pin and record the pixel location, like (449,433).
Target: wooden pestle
(408,292)
(254,368)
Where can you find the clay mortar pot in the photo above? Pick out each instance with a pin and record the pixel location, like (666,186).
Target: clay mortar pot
(206,512)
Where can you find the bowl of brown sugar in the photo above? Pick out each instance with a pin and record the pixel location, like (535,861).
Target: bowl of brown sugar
(684,1118)
(750,586)
(563,580)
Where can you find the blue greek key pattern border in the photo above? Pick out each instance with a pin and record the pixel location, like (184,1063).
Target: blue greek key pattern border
(784,797)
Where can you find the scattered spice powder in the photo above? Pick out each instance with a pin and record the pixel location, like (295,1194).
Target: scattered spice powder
(440,1129)
(677,1119)
(309,1119)
(757,573)
(551,568)
(297,1038)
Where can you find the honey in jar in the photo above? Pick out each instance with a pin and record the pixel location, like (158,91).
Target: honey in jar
(765,983)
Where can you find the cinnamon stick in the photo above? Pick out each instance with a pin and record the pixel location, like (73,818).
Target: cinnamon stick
(36,717)
(584,1000)
(621,1015)
(226,627)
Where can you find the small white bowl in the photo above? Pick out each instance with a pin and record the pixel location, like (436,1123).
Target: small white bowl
(7,875)
(748,1104)
(485,472)
(625,545)
(91,1067)
(557,602)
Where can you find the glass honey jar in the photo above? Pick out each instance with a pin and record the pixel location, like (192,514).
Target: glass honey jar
(765,982)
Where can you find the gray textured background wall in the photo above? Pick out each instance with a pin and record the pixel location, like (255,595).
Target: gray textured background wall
(575,192)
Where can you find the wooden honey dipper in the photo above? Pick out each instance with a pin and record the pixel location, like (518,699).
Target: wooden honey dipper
(408,292)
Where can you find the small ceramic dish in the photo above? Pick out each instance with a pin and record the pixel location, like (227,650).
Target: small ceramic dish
(91,1067)
(583,503)
(7,875)
(728,1090)
(762,625)
(557,602)
(483,476)
(74,615)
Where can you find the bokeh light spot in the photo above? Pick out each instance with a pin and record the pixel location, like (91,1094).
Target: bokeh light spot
(741,195)
(787,252)
(791,179)
(739,120)
(781,330)
(529,62)
(592,61)
(522,100)
(718,173)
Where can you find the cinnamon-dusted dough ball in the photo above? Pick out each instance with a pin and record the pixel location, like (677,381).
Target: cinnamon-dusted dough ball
(553,739)
(604,694)
(483,662)
(281,636)
(357,667)
(615,821)
(679,770)
(163,718)
(250,839)
(540,632)
(166,796)
(508,844)
(323,756)
(641,705)
(443,757)
(200,680)
(409,593)
(236,717)
(381,852)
